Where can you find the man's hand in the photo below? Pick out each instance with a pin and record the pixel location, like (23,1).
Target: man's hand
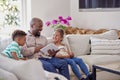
(37,56)
(37,48)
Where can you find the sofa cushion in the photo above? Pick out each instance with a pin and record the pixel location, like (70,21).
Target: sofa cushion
(24,70)
(100,59)
(5,75)
(111,34)
(80,44)
(104,46)
(4,43)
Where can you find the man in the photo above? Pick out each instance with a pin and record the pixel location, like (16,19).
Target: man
(34,42)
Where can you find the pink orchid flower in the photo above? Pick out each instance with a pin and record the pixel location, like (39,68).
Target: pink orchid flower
(64,21)
(60,22)
(69,18)
(54,22)
(48,23)
(60,18)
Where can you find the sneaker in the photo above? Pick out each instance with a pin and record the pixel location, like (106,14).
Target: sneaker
(89,77)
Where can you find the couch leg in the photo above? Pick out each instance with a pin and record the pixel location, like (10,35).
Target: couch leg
(90,77)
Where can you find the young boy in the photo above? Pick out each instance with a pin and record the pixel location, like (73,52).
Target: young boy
(13,50)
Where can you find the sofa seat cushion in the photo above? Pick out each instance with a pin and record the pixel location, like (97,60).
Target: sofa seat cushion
(100,59)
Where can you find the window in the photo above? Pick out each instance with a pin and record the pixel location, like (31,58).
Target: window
(99,4)
(10,11)
(12,16)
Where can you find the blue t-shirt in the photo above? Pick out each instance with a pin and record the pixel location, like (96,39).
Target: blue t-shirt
(13,47)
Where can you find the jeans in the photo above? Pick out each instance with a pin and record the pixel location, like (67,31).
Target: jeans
(73,62)
(54,64)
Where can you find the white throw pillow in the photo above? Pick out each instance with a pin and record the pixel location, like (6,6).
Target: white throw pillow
(80,44)
(105,46)
(24,70)
(111,34)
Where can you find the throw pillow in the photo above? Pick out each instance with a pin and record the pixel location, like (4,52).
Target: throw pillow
(111,34)
(78,44)
(105,46)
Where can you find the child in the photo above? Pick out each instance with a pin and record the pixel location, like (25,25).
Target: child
(69,56)
(13,49)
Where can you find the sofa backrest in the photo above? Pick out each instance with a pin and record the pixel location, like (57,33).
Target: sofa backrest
(80,44)
(4,42)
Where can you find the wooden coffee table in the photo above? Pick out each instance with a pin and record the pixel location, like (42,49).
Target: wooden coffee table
(104,68)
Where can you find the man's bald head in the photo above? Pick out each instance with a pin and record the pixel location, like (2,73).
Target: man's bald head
(35,21)
(36,25)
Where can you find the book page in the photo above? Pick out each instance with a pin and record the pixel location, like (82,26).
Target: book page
(50,46)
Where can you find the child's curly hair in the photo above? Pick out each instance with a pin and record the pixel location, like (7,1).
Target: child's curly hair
(18,33)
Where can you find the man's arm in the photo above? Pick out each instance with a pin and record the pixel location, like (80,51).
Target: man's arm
(31,50)
(27,51)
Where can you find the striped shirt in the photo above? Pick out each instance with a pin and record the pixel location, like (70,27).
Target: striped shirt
(13,47)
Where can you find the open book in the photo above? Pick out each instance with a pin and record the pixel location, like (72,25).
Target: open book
(50,46)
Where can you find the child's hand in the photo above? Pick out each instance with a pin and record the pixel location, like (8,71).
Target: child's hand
(24,58)
(52,52)
(14,55)
(71,55)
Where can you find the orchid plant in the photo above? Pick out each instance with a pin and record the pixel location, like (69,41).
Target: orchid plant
(59,23)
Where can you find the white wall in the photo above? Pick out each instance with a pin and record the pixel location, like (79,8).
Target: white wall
(94,20)
(49,10)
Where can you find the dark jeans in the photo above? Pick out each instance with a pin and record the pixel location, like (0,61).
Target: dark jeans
(55,64)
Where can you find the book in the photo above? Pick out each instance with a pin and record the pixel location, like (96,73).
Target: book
(50,46)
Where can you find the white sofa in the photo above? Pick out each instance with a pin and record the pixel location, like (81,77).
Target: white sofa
(101,49)
(80,45)
(23,70)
